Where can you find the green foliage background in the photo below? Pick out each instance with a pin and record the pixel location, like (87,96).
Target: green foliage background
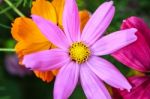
(30,87)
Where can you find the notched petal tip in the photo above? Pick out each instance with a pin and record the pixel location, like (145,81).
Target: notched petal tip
(25,62)
(134,30)
(128,88)
(111,2)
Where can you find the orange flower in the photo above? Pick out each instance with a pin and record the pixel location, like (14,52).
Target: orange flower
(30,39)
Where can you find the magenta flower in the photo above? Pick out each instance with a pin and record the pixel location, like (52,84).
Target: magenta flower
(77,53)
(136,55)
(140,90)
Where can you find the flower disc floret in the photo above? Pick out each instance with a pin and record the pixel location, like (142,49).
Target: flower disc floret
(79,52)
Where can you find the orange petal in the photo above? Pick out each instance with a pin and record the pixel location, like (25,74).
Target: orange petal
(44,9)
(24,29)
(30,38)
(45,76)
(84,17)
(24,48)
(59,6)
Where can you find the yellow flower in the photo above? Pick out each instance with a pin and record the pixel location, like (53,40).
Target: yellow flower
(30,39)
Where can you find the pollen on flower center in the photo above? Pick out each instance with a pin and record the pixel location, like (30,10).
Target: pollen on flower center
(79,52)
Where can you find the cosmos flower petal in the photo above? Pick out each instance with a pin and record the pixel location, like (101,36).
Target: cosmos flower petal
(59,8)
(84,17)
(98,23)
(71,20)
(136,55)
(140,90)
(45,9)
(66,81)
(114,41)
(92,85)
(139,23)
(51,32)
(46,60)
(108,73)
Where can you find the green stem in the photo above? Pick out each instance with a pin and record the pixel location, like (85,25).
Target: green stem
(14,8)
(4,26)
(9,16)
(8,8)
(7,50)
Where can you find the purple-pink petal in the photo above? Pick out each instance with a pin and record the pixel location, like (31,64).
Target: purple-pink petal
(53,33)
(136,55)
(71,21)
(46,60)
(98,23)
(114,41)
(92,85)
(108,73)
(66,81)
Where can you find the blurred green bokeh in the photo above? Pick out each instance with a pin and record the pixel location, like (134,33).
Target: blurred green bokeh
(30,87)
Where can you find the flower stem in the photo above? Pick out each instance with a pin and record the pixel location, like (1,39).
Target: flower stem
(4,26)
(14,8)
(7,50)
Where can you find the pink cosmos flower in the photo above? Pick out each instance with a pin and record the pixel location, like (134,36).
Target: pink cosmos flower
(77,53)
(136,55)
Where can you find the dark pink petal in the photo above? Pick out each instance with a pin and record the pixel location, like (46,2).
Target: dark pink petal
(114,41)
(136,55)
(98,23)
(53,33)
(107,72)
(66,81)
(92,85)
(140,90)
(46,60)
(71,21)
(139,24)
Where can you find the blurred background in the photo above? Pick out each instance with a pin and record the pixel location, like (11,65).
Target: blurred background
(17,82)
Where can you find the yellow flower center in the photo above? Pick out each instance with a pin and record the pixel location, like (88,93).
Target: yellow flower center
(79,52)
